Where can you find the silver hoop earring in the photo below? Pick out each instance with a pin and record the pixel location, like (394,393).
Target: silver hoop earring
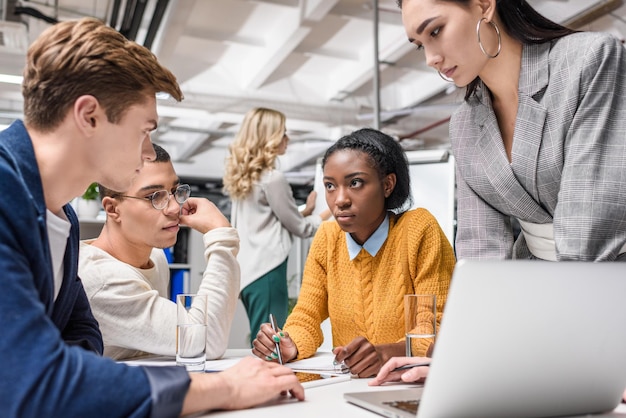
(444,78)
(480,44)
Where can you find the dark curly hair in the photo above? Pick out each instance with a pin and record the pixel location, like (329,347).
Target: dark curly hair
(386,156)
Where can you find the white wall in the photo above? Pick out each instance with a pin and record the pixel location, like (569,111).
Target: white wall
(433,188)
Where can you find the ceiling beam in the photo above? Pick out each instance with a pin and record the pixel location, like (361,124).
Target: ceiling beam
(593,13)
(115,11)
(358,73)
(265,63)
(8,11)
(155,22)
(316,10)
(133,16)
(280,41)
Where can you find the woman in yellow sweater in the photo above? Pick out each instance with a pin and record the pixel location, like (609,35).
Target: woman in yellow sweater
(360,266)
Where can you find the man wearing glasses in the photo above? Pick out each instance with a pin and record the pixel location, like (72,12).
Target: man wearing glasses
(126,275)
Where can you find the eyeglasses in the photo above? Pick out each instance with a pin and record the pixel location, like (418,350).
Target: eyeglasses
(161,198)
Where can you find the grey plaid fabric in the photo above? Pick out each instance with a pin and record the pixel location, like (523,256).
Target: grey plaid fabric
(568,158)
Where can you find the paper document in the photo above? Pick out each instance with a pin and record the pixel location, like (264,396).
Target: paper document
(222,364)
(210,365)
(328,380)
(152,361)
(321,362)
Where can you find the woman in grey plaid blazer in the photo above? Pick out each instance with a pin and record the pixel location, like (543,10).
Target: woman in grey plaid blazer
(541,136)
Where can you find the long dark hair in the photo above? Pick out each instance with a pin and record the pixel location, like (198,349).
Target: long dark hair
(386,156)
(521,22)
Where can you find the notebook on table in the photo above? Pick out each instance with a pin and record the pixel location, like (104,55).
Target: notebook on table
(523,338)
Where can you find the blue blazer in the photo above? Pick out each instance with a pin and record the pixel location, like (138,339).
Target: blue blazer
(50,351)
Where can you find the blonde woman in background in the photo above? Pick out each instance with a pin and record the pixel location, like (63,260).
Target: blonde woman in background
(265,214)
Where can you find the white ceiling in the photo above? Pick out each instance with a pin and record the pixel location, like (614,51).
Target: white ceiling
(311,59)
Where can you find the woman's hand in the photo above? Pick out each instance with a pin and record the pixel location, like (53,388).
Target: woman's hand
(309,206)
(416,374)
(264,345)
(365,359)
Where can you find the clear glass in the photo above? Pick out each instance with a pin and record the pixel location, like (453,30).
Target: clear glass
(191,331)
(420,323)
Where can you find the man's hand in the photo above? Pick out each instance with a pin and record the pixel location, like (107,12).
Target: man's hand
(248,383)
(202,215)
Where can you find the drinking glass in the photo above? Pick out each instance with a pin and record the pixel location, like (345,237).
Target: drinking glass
(191,331)
(420,320)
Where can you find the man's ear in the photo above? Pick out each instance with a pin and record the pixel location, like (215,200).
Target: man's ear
(87,113)
(110,208)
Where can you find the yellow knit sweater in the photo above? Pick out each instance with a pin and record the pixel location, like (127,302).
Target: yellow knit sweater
(364,297)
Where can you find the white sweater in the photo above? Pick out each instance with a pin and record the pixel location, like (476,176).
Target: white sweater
(266,219)
(132,305)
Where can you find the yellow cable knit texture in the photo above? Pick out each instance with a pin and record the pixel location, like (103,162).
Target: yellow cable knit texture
(364,297)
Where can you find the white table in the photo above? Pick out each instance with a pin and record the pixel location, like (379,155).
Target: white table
(324,401)
(321,401)
(328,402)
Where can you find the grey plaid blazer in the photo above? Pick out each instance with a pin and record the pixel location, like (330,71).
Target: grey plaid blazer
(568,158)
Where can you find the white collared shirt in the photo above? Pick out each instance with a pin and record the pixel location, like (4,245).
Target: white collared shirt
(373,243)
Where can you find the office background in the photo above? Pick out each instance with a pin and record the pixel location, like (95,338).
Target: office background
(330,65)
(311,59)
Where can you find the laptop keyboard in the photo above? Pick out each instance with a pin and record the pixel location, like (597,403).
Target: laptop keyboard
(408,406)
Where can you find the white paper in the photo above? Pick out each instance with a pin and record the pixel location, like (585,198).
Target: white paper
(319,363)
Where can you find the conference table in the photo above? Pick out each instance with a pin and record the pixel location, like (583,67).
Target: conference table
(323,398)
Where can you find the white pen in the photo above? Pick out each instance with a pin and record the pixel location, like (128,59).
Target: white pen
(275,329)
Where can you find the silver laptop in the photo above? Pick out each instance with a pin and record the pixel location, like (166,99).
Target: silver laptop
(523,339)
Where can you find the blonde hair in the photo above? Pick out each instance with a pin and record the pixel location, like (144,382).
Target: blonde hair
(86,57)
(253,151)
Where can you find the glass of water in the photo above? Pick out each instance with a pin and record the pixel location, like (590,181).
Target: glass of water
(420,320)
(191,331)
